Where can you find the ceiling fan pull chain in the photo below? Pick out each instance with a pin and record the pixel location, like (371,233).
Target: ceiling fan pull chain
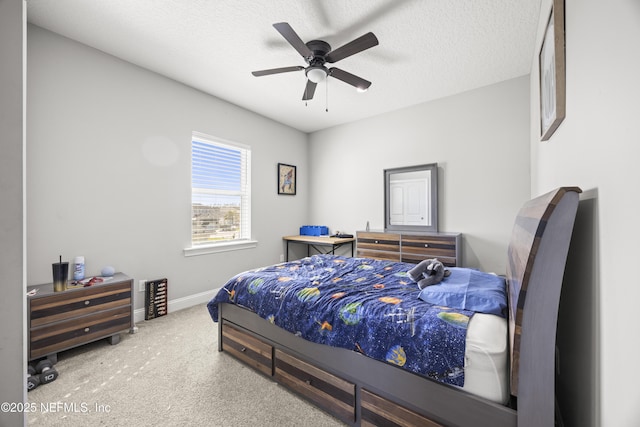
(326,83)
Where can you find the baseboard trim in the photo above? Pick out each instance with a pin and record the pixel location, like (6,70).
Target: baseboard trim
(179,303)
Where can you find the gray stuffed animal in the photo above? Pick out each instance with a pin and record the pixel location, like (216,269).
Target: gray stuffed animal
(428,272)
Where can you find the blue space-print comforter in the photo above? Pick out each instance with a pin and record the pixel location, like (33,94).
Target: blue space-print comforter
(360,304)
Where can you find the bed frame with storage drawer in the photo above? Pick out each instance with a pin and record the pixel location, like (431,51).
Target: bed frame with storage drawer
(364,392)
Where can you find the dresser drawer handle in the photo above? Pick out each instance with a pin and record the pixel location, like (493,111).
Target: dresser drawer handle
(426,245)
(376,242)
(243,349)
(86,329)
(87,302)
(308,382)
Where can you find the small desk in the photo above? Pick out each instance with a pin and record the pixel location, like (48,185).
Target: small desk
(315,241)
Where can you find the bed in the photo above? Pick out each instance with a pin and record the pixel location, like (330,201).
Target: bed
(417,357)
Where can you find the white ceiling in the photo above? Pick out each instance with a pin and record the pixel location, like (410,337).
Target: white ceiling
(428,48)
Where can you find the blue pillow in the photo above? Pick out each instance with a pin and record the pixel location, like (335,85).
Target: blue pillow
(469,289)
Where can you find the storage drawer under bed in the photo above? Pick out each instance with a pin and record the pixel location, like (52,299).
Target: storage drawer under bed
(247,348)
(331,393)
(378,411)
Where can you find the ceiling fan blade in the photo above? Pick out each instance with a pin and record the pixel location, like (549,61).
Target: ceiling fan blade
(293,39)
(277,70)
(309,90)
(353,47)
(349,78)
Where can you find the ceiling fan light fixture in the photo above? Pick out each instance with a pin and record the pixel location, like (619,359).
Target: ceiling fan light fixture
(316,53)
(316,74)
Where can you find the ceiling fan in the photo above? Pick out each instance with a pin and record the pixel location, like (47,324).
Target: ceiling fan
(316,54)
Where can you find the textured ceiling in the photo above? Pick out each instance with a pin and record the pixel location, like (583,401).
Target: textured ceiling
(428,48)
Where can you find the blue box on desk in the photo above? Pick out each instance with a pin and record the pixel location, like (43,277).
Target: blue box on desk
(314,230)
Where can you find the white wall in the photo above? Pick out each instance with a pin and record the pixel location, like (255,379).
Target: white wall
(108,163)
(479,140)
(12,239)
(597,148)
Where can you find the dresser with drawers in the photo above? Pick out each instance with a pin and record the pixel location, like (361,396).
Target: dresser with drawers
(63,320)
(410,246)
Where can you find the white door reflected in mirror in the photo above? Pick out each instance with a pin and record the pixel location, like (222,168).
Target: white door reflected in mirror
(409,193)
(411,198)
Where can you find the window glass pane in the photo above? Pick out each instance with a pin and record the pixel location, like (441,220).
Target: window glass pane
(220,191)
(216,167)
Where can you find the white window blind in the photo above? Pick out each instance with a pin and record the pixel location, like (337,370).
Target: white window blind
(220,191)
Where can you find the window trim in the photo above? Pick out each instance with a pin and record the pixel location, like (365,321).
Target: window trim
(226,245)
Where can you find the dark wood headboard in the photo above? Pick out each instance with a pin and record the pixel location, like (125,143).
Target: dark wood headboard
(537,256)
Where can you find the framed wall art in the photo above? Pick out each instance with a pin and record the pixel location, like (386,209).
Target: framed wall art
(552,73)
(286,179)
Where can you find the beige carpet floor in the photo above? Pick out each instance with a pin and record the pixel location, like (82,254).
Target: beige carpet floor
(169,373)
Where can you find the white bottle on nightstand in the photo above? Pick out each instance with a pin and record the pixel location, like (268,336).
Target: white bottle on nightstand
(78,268)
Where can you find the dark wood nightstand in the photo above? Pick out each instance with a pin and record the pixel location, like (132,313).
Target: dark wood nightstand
(62,320)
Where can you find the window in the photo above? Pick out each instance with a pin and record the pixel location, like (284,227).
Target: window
(220,191)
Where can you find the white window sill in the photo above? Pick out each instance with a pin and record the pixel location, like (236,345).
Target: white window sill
(220,247)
